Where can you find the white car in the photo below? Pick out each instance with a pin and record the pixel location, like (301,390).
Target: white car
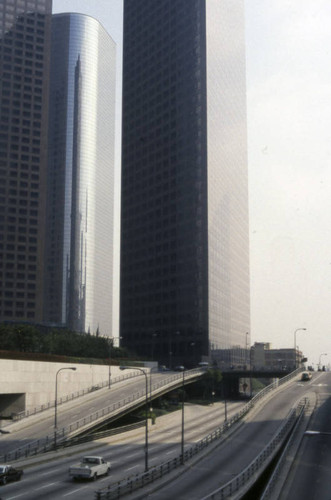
(90,468)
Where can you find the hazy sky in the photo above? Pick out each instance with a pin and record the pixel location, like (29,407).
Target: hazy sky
(289,152)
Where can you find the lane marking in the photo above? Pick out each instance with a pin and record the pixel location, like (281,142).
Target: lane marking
(46,486)
(134,467)
(75,491)
(50,472)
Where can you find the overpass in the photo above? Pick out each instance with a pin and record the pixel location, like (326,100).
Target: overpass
(108,404)
(233,380)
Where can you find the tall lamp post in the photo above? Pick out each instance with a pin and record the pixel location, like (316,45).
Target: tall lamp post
(183,421)
(110,343)
(146,420)
(170,349)
(154,335)
(246,356)
(319,361)
(55,406)
(295,343)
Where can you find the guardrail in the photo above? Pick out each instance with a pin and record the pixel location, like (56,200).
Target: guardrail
(268,491)
(128,485)
(69,397)
(251,473)
(46,443)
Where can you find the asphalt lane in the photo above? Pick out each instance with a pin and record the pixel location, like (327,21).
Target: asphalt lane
(310,476)
(126,453)
(236,453)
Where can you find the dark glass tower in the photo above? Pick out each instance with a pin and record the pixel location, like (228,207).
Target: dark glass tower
(24,78)
(184,236)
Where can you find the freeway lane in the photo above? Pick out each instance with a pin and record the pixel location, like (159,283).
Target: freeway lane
(229,459)
(310,476)
(42,424)
(126,453)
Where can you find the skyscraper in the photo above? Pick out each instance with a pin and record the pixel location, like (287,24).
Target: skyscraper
(79,251)
(184,218)
(24,78)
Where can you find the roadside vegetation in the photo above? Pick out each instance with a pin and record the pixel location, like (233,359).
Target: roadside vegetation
(31,342)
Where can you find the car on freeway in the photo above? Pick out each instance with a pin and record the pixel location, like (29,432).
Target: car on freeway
(90,467)
(305,376)
(9,473)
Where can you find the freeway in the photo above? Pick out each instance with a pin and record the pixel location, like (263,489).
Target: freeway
(310,474)
(125,452)
(121,395)
(231,457)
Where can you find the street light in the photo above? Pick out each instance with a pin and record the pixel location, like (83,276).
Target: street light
(182,440)
(110,343)
(154,335)
(295,343)
(150,382)
(246,356)
(170,348)
(319,361)
(146,420)
(55,414)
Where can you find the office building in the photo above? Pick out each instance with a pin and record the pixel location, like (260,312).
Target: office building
(184,208)
(24,79)
(79,250)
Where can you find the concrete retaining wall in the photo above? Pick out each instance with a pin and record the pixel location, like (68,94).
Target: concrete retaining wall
(32,383)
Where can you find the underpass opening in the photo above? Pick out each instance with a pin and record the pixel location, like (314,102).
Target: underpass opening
(11,404)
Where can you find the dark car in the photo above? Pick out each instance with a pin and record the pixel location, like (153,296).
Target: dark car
(9,473)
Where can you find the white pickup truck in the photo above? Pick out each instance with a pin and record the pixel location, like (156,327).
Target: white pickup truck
(90,468)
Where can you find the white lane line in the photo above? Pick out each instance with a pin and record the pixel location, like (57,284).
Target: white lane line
(169,452)
(17,496)
(134,467)
(50,472)
(46,486)
(75,491)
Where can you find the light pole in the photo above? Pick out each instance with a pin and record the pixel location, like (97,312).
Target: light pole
(146,420)
(295,343)
(170,349)
(154,335)
(110,342)
(55,406)
(150,382)
(182,440)
(246,356)
(319,361)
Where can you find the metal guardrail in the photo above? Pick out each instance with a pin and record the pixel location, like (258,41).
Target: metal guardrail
(69,397)
(128,485)
(251,473)
(46,443)
(277,471)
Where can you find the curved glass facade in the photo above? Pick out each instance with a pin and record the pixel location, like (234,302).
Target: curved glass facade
(79,263)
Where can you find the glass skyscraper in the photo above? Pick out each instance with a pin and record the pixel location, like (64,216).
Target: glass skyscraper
(24,79)
(184,291)
(80,197)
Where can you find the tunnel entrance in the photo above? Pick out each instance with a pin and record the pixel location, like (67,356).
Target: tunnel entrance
(11,404)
